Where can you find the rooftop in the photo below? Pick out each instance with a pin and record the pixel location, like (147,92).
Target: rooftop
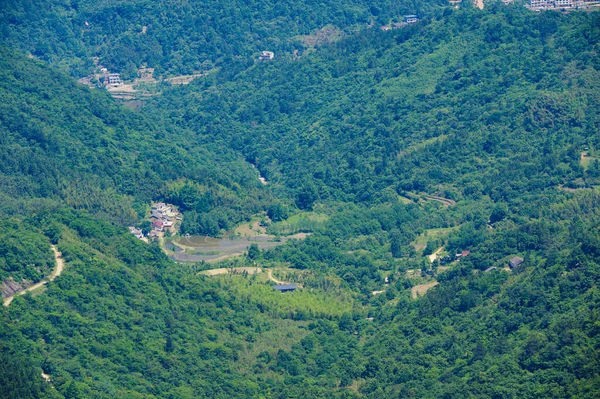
(284,287)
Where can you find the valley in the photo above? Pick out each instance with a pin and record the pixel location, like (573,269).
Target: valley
(345,199)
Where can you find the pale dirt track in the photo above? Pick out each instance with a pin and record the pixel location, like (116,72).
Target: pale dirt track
(224,270)
(60,265)
(273,279)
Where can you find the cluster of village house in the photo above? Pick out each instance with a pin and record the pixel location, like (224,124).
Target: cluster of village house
(538,5)
(163,217)
(512,264)
(561,4)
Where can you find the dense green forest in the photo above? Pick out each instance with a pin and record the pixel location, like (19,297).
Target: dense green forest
(426,157)
(497,104)
(63,144)
(180,37)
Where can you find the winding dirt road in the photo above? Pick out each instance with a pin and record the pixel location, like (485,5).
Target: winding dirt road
(273,279)
(60,265)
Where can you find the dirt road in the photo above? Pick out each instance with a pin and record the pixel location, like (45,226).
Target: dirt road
(273,279)
(434,255)
(60,265)
(238,270)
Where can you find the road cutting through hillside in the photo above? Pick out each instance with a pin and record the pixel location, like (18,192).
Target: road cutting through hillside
(60,265)
(273,279)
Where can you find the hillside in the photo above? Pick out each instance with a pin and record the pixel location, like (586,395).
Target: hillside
(63,144)
(444,177)
(498,104)
(179,38)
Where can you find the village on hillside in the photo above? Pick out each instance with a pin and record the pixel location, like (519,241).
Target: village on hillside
(163,218)
(538,5)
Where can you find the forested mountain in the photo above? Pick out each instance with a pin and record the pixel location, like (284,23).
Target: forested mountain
(179,37)
(499,104)
(447,172)
(64,144)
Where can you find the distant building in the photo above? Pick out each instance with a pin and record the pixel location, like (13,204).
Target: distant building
(158,225)
(515,262)
(489,269)
(266,55)
(114,79)
(564,3)
(285,287)
(539,3)
(136,232)
(560,4)
(411,19)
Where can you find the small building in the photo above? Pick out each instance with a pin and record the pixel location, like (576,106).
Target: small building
(159,206)
(489,269)
(285,287)
(158,225)
(266,55)
(563,3)
(136,232)
(411,19)
(515,262)
(465,253)
(114,79)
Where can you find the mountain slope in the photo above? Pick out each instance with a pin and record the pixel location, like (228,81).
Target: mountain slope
(63,143)
(452,107)
(178,38)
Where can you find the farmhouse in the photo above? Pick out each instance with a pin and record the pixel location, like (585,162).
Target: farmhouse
(266,55)
(284,287)
(515,262)
(411,19)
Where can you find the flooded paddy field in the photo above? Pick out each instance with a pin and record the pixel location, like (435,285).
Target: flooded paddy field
(203,248)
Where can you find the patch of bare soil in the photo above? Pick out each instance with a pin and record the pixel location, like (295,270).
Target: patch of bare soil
(421,289)
(325,35)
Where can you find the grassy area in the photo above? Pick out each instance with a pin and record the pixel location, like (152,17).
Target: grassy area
(423,144)
(432,234)
(283,333)
(300,222)
(585,161)
(303,303)
(404,200)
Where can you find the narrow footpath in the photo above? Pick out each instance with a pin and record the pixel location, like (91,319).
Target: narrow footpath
(60,265)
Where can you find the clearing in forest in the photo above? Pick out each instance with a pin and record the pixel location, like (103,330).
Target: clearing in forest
(431,234)
(585,160)
(421,289)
